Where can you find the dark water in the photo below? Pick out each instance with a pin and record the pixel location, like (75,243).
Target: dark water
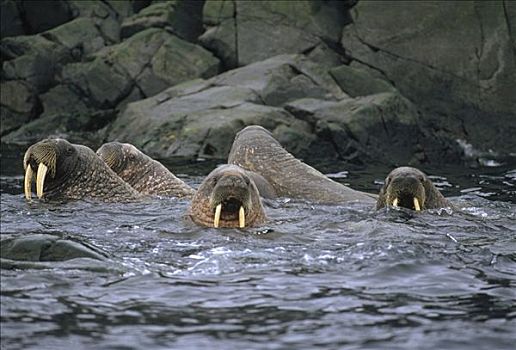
(335,277)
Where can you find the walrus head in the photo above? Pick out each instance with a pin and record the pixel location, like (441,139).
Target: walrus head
(115,155)
(406,187)
(53,160)
(227,197)
(125,160)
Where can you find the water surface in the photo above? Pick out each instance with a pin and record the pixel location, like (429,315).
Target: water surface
(336,277)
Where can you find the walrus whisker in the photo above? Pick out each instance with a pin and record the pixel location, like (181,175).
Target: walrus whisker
(29,174)
(216,219)
(40,179)
(241,217)
(417,207)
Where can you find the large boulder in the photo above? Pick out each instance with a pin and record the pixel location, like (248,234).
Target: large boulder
(18,105)
(197,120)
(243,32)
(34,59)
(299,101)
(37,16)
(149,62)
(183,18)
(284,78)
(200,118)
(381,128)
(359,82)
(455,60)
(10,20)
(26,17)
(90,92)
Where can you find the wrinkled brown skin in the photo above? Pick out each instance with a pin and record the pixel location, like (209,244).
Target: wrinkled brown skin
(76,172)
(256,150)
(224,184)
(405,183)
(144,174)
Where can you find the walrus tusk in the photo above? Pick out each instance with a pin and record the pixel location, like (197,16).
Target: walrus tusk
(395,202)
(28,182)
(40,179)
(216,219)
(241,217)
(416,204)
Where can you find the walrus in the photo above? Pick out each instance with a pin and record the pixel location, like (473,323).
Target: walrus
(410,188)
(228,197)
(68,171)
(255,149)
(144,174)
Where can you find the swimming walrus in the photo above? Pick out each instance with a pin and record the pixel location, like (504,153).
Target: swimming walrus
(67,171)
(144,174)
(228,197)
(410,188)
(256,150)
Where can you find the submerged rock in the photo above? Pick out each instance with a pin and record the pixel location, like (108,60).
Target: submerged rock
(46,247)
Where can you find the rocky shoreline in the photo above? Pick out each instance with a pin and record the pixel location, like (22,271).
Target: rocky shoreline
(397,83)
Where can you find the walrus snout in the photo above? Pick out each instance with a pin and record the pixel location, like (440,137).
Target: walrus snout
(40,157)
(231,199)
(410,188)
(227,197)
(406,192)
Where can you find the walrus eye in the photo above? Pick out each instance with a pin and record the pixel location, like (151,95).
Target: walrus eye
(132,156)
(69,151)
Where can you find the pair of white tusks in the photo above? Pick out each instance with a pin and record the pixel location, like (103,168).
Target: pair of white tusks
(218,210)
(416,203)
(40,180)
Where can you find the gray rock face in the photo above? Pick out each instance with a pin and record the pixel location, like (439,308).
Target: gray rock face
(17,104)
(10,20)
(359,82)
(244,32)
(31,17)
(197,125)
(364,129)
(45,247)
(143,65)
(397,82)
(200,119)
(455,60)
(183,18)
(148,61)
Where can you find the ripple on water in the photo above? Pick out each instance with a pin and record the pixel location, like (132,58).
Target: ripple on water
(313,276)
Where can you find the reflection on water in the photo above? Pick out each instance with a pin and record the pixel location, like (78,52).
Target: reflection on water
(314,276)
